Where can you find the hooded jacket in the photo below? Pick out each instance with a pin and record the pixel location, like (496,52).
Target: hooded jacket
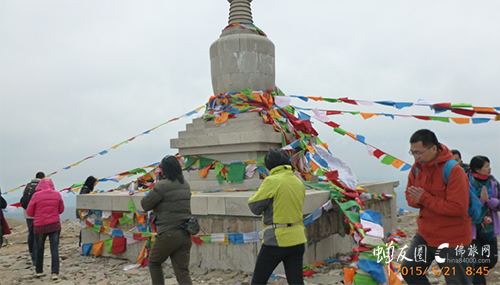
(46,204)
(279,200)
(443,207)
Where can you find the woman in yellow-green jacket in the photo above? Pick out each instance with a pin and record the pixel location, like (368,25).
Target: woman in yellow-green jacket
(279,200)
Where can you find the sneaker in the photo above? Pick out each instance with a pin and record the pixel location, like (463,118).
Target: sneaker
(38,275)
(54,276)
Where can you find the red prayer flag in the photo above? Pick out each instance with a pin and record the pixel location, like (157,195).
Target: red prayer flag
(197,240)
(308,272)
(332,175)
(349,101)
(378,153)
(332,124)
(333,112)
(114,218)
(119,244)
(140,237)
(464,112)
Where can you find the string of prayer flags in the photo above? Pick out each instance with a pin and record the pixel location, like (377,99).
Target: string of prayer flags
(456,120)
(387,159)
(113,147)
(437,107)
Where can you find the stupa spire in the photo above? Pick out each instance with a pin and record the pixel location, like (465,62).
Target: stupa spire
(240,11)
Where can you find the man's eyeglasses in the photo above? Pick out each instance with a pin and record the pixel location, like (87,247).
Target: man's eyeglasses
(418,153)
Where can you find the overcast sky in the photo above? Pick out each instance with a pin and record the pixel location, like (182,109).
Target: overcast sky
(77,77)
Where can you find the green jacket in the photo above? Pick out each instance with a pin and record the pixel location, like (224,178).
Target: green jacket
(280,199)
(170,202)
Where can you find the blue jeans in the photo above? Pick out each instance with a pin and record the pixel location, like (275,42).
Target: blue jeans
(54,251)
(455,273)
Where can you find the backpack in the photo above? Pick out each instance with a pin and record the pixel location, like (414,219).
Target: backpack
(474,209)
(25,200)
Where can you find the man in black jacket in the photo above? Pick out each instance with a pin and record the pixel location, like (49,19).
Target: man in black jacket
(25,200)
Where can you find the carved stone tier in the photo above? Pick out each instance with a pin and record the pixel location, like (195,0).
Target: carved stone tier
(243,138)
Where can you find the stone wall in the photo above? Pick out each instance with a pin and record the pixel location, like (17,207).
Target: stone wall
(228,212)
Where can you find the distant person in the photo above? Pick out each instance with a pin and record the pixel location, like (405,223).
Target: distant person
(484,234)
(45,206)
(443,219)
(279,200)
(87,188)
(25,200)
(458,157)
(170,200)
(89,185)
(4,227)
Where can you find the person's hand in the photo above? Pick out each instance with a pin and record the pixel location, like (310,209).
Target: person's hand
(484,195)
(416,193)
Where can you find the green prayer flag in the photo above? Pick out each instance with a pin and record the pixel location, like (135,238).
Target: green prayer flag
(346,209)
(248,93)
(260,160)
(131,205)
(367,255)
(441,119)
(190,161)
(147,234)
(109,245)
(206,239)
(318,141)
(461,105)
(220,179)
(236,172)
(320,172)
(138,170)
(360,279)
(204,162)
(78,185)
(331,100)
(125,220)
(218,167)
(353,112)
(290,109)
(96,228)
(340,131)
(387,159)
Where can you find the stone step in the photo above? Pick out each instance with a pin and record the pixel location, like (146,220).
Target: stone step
(202,132)
(192,176)
(211,185)
(239,120)
(236,149)
(226,139)
(228,158)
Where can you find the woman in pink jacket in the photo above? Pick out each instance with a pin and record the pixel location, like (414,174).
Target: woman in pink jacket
(45,206)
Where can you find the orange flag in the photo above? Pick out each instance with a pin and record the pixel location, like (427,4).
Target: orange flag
(97,248)
(141,255)
(222,119)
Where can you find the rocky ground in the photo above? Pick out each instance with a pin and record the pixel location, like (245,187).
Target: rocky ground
(75,269)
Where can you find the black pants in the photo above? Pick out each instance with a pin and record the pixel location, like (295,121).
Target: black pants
(31,239)
(484,259)
(270,256)
(54,251)
(454,272)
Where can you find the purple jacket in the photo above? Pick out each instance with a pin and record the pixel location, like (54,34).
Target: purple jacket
(493,206)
